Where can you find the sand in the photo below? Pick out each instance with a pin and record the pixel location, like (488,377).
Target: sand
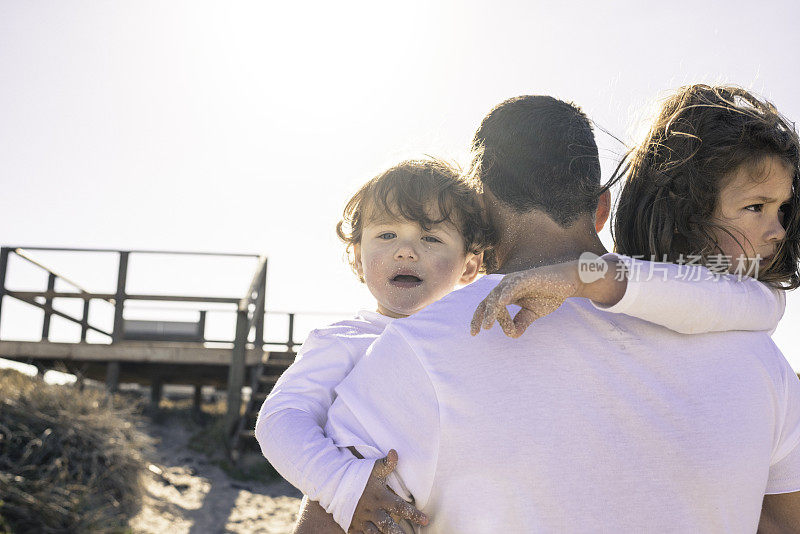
(187,493)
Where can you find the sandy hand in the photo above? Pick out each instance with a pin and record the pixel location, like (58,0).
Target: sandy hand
(538,291)
(379,504)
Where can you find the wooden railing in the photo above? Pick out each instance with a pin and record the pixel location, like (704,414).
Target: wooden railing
(117,299)
(249,314)
(250,309)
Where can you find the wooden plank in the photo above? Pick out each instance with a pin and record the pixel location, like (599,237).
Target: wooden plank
(177,298)
(63,315)
(3,268)
(254,284)
(197,403)
(23,295)
(21,253)
(48,307)
(260,307)
(175,252)
(156,391)
(85,320)
(112,376)
(144,373)
(130,351)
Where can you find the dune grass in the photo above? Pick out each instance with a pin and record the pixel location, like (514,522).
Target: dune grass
(70,460)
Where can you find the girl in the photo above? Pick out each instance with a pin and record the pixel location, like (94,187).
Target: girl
(715,181)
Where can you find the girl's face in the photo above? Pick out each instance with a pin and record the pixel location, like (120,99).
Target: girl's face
(406,267)
(751,207)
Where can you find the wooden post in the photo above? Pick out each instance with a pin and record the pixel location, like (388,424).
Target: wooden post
(198,399)
(3,268)
(262,289)
(201,325)
(48,307)
(112,376)
(85,319)
(112,371)
(119,297)
(156,390)
(290,343)
(236,372)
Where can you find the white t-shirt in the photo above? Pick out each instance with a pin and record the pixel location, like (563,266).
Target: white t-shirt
(589,422)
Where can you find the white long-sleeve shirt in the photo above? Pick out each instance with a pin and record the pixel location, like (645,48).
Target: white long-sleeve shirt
(692,300)
(289,427)
(290,423)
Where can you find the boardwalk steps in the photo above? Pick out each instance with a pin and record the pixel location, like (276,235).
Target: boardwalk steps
(264,377)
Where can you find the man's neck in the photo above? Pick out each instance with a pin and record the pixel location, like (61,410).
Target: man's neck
(535,240)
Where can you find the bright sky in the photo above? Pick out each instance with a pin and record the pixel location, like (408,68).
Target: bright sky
(245,126)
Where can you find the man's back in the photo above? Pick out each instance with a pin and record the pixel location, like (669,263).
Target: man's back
(589,422)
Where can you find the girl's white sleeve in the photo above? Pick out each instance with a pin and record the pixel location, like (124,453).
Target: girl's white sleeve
(691,299)
(290,423)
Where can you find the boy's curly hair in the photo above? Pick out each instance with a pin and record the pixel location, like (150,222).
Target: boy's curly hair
(408,191)
(672,180)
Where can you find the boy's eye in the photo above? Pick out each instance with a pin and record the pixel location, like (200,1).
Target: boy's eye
(431,239)
(387,235)
(756,208)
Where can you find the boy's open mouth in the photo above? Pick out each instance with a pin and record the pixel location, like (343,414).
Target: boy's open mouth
(405,280)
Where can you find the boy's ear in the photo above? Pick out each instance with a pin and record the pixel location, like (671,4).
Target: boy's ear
(357,261)
(603,210)
(471,268)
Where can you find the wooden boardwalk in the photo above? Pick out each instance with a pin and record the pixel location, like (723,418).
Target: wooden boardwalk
(151,352)
(155,351)
(142,362)
(179,352)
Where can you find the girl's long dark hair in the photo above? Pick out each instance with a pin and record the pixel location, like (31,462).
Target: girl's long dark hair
(671,182)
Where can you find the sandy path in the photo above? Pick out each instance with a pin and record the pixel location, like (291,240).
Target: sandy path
(186,493)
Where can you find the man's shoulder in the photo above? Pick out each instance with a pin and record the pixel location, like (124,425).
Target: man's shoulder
(760,344)
(452,308)
(362,328)
(364,322)
(442,325)
(738,347)
(463,300)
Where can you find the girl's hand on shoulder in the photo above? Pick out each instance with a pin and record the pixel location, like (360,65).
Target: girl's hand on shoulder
(538,292)
(542,290)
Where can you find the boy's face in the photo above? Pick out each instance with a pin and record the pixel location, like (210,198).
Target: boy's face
(406,267)
(750,206)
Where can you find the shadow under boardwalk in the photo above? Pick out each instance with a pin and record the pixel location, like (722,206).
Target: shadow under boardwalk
(140,361)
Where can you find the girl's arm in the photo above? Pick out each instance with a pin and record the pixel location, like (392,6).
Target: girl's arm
(690,299)
(289,431)
(687,299)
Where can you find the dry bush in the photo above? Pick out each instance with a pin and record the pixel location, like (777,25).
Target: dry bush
(70,461)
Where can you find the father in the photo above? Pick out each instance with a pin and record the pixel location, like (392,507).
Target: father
(589,422)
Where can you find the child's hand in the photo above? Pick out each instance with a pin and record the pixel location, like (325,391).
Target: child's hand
(538,291)
(379,504)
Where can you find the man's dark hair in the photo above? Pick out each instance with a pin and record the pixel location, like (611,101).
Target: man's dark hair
(537,152)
